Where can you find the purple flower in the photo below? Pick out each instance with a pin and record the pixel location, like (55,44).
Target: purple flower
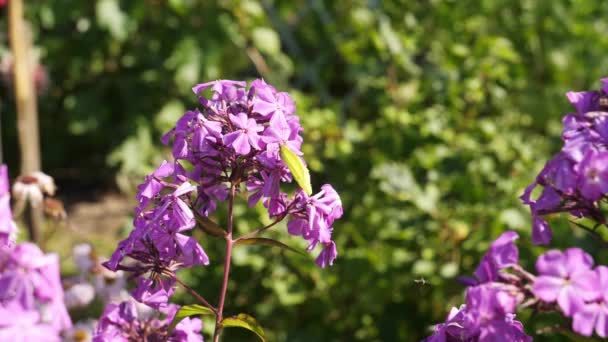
(328,255)
(279,132)
(154,292)
(160,254)
(8,228)
(30,276)
(312,218)
(222,88)
(541,233)
(501,254)
(178,212)
(487,316)
(490,315)
(594,315)
(188,330)
(575,179)
(566,278)
(234,136)
(30,281)
(20,325)
(452,328)
(593,175)
(584,101)
(153,185)
(246,136)
(268,102)
(126,322)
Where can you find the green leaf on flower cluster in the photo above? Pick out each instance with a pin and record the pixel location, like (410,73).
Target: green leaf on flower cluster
(247,322)
(190,310)
(298,169)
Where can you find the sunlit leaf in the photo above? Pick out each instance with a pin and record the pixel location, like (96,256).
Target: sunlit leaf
(190,310)
(245,321)
(297,168)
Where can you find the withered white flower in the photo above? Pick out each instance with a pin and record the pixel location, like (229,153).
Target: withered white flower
(32,187)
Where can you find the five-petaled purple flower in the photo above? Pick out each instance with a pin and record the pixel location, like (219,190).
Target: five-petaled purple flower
(246,137)
(566,278)
(593,316)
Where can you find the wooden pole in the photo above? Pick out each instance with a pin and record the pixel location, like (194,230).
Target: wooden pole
(25,93)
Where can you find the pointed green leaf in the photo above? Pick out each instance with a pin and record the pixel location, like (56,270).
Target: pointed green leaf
(190,310)
(209,226)
(297,168)
(247,322)
(266,242)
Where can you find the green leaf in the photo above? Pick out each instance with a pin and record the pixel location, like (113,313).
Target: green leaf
(266,242)
(297,168)
(245,321)
(209,226)
(190,310)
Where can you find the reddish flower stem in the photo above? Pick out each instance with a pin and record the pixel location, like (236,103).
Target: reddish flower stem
(229,243)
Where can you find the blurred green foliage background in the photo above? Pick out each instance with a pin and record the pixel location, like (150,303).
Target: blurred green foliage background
(429,117)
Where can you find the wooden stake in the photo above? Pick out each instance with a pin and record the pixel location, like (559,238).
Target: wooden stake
(27,111)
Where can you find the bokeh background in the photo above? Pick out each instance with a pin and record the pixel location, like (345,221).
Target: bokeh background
(429,118)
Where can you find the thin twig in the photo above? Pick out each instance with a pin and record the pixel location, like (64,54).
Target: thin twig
(593,233)
(260,230)
(195,295)
(229,243)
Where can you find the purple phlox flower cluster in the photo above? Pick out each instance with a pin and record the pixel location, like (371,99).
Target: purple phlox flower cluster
(577,177)
(566,282)
(235,137)
(8,228)
(491,300)
(581,292)
(127,322)
(489,315)
(31,295)
(157,245)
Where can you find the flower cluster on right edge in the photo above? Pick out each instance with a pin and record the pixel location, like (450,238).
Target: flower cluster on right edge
(574,181)
(566,282)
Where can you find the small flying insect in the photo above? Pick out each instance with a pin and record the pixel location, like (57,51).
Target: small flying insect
(420,281)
